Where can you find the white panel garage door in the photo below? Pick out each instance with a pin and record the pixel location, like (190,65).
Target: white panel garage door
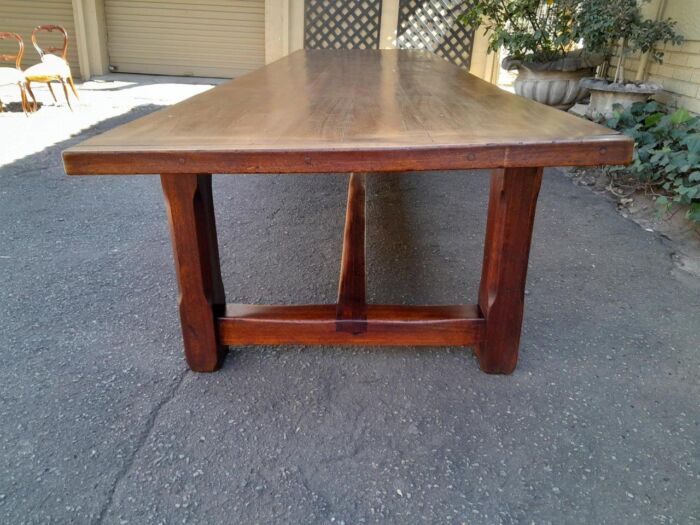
(216,38)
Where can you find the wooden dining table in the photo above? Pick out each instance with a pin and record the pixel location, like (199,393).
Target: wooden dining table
(363,113)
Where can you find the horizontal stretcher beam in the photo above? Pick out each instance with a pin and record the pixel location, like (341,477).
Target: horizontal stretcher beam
(386,325)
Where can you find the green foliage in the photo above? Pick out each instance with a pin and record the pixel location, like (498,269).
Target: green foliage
(546,30)
(667,151)
(538,30)
(602,23)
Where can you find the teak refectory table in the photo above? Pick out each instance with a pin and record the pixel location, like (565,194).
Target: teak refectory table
(352,112)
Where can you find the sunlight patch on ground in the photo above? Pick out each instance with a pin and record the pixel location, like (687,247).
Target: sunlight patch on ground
(100,99)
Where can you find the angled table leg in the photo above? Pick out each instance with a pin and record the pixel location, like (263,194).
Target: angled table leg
(352,300)
(190,210)
(511,215)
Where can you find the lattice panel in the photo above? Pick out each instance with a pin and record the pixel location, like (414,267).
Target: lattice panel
(342,24)
(433,25)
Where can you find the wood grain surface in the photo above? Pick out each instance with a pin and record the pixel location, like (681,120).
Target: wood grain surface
(352,284)
(392,325)
(349,110)
(190,209)
(511,215)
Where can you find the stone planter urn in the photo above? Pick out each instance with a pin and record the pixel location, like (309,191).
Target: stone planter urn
(605,94)
(556,83)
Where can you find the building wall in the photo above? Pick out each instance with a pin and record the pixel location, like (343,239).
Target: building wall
(680,76)
(680,71)
(284,31)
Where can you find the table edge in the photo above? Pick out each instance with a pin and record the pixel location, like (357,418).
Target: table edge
(613,149)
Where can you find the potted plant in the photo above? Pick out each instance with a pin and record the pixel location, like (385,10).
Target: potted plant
(540,39)
(607,26)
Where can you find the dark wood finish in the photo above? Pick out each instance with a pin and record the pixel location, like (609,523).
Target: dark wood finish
(89,161)
(196,253)
(512,203)
(352,300)
(350,110)
(390,325)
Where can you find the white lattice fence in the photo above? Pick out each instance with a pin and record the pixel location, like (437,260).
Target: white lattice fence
(433,25)
(342,24)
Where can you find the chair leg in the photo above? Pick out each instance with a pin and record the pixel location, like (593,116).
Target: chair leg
(72,86)
(65,92)
(23,96)
(31,94)
(52,93)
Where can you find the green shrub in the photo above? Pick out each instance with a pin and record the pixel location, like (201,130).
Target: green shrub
(530,30)
(548,30)
(667,151)
(605,24)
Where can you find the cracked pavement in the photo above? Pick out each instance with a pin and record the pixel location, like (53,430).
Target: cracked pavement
(103,423)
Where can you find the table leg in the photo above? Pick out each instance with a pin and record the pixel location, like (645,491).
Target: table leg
(190,210)
(352,286)
(511,214)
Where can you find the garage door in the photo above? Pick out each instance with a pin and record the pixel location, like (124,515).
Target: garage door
(216,38)
(21,16)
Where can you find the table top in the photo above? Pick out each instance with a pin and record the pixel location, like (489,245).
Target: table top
(349,110)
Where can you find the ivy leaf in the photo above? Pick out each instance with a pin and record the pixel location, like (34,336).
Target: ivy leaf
(646,139)
(679,133)
(692,142)
(680,116)
(661,158)
(680,162)
(612,122)
(664,124)
(667,151)
(653,120)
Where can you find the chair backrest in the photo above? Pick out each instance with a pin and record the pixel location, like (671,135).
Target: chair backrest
(18,57)
(49,28)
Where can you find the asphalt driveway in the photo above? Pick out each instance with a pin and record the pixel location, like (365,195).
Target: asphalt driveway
(101,421)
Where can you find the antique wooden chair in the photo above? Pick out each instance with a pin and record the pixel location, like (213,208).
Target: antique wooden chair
(14,75)
(52,67)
